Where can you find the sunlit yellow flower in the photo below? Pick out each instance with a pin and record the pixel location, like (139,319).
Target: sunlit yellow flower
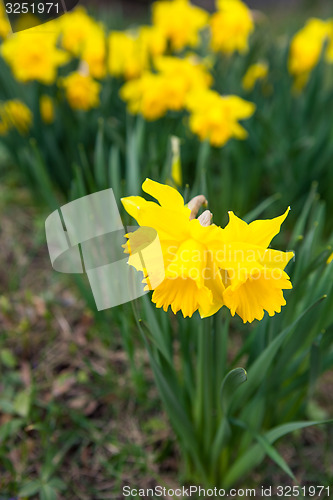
(130,52)
(191,69)
(82,91)
(231,27)
(15,114)
(76,27)
(215,118)
(205,266)
(46,105)
(33,55)
(179,21)
(154,94)
(5,28)
(127,55)
(258,71)
(330,259)
(306,48)
(184,245)
(152,40)
(144,96)
(94,52)
(252,273)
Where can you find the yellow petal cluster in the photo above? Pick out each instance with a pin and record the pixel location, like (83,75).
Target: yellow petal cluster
(306,48)
(253,274)
(255,72)
(82,91)
(14,114)
(130,52)
(84,38)
(154,94)
(231,27)
(215,117)
(206,267)
(94,52)
(126,57)
(33,55)
(179,21)
(76,27)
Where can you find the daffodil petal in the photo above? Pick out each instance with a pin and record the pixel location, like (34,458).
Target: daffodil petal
(264,293)
(167,196)
(263,231)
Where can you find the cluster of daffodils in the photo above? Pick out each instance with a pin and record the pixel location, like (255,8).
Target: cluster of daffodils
(158,66)
(183,84)
(158,63)
(307,47)
(14,114)
(207,267)
(37,55)
(159,84)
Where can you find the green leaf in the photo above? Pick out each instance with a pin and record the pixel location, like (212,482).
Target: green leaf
(274,455)
(256,453)
(261,208)
(22,403)
(259,368)
(133,177)
(30,488)
(99,159)
(230,384)
(114,172)
(48,493)
(173,403)
(10,428)
(158,336)
(8,358)
(57,484)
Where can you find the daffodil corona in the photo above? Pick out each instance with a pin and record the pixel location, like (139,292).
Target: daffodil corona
(205,266)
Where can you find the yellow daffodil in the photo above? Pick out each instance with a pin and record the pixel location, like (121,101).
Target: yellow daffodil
(127,55)
(184,243)
(145,96)
(15,114)
(94,52)
(252,273)
(76,28)
(215,117)
(82,91)
(306,48)
(152,40)
(33,55)
(205,266)
(46,106)
(258,71)
(179,21)
(231,27)
(154,94)
(131,52)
